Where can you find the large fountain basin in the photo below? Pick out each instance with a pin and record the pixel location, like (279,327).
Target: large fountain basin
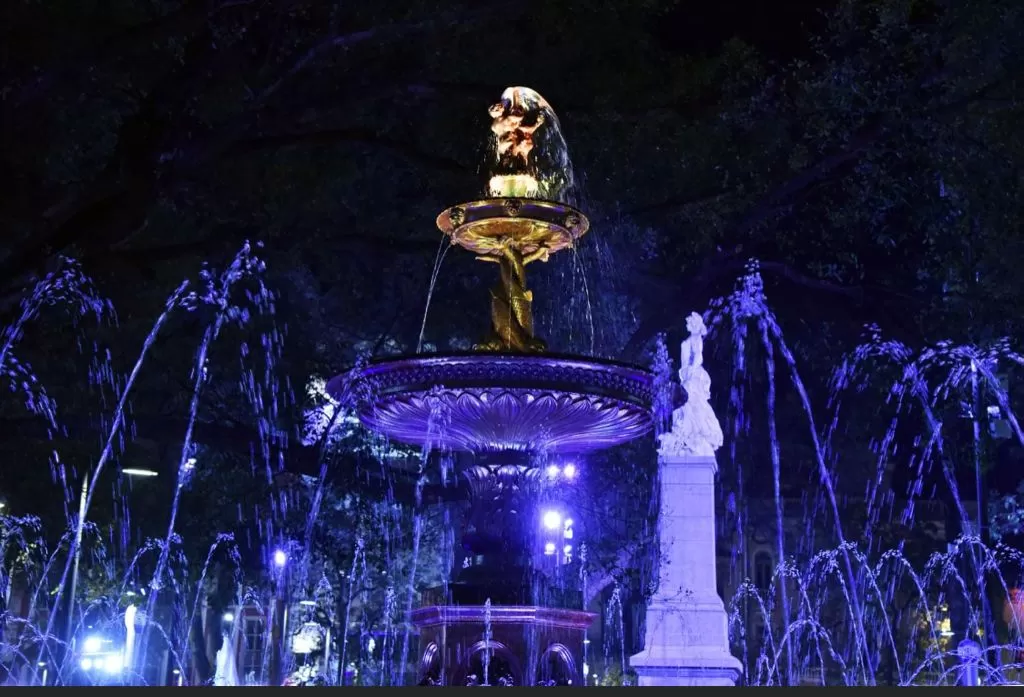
(487,402)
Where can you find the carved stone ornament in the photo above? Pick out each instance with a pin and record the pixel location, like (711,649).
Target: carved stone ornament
(513,207)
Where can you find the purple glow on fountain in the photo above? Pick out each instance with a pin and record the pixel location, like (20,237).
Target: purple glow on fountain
(498,402)
(497,415)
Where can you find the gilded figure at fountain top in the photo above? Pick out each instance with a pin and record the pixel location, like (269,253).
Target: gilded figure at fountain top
(527,155)
(528,215)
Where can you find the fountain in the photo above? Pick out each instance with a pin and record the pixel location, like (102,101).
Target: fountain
(505,410)
(849,593)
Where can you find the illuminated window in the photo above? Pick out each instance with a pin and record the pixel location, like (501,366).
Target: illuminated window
(254,643)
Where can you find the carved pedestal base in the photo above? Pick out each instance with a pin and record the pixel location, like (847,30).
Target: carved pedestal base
(687,640)
(687,643)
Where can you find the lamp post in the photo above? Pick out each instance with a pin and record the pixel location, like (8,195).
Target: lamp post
(280,618)
(83,502)
(73,587)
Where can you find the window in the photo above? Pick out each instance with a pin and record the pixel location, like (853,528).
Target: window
(254,642)
(763,567)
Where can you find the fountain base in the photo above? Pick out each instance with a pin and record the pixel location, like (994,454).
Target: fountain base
(528,645)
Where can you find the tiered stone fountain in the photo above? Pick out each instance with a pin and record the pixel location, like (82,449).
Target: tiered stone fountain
(506,408)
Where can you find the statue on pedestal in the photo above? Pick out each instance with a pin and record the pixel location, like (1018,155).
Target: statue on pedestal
(695,428)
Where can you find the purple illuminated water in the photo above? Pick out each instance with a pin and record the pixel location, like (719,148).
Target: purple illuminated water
(842,602)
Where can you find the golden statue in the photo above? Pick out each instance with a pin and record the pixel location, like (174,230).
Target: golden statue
(527,218)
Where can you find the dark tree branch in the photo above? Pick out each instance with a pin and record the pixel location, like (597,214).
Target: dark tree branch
(696,290)
(678,202)
(116,47)
(335,136)
(117,204)
(237,440)
(452,21)
(220,240)
(610,574)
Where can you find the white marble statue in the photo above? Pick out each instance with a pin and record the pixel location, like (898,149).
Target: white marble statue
(695,428)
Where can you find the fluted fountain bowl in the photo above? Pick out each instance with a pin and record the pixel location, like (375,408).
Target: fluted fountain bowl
(488,402)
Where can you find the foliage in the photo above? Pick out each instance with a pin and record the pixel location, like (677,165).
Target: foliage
(615,677)
(1006,513)
(661,368)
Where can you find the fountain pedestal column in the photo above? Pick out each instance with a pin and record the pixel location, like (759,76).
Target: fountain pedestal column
(687,640)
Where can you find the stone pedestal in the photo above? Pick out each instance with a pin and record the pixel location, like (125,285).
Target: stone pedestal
(687,640)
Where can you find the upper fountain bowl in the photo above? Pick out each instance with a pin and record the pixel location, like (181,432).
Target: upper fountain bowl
(532,227)
(492,402)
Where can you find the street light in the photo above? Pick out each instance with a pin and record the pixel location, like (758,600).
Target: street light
(280,557)
(552,519)
(82,503)
(280,616)
(97,657)
(138,472)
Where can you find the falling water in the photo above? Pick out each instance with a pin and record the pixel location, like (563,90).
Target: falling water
(613,623)
(780,528)
(841,609)
(487,642)
(583,595)
(105,455)
(748,302)
(225,540)
(437,426)
(442,251)
(217,294)
(386,644)
(354,579)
